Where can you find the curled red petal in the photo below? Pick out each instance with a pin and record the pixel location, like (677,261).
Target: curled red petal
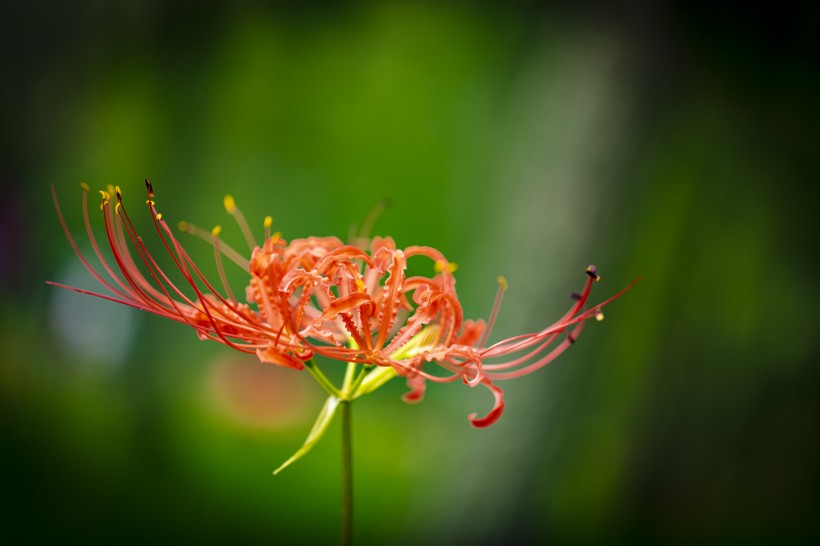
(346,304)
(495,413)
(471,331)
(273,356)
(417,386)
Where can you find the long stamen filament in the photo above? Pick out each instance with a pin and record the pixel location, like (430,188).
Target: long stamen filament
(233,210)
(267,223)
(218,257)
(499,296)
(367,225)
(224,247)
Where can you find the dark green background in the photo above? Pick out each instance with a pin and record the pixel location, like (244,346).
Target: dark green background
(673,142)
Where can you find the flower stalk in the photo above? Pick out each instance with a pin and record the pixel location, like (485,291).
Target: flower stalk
(345,408)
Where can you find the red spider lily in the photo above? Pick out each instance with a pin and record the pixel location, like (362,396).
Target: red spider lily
(322,296)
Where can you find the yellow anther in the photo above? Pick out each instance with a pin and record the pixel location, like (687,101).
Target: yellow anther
(599,316)
(106,197)
(117,207)
(159,216)
(183,226)
(118,192)
(84,186)
(110,189)
(360,285)
(502,282)
(268,222)
(216,231)
(276,236)
(230,204)
(441,265)
(149,202)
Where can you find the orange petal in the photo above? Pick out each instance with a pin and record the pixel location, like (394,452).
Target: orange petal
(345,304)
(273,356)
(495,413)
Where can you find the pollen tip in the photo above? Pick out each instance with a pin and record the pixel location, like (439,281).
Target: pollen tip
(84,186)
(593,273)
(159,216)
(276,236)
(117,207)
(230,204)
(599,316)
(216,231)
(502,282)
(183,226)
(110,189)
(267,222)
(118,193)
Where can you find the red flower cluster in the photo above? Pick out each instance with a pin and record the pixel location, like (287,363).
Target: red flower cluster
(321,296)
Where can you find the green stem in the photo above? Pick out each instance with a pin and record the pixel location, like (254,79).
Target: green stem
(322,379)
(347,474)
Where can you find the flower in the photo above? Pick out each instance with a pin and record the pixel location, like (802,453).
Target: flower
(319,296)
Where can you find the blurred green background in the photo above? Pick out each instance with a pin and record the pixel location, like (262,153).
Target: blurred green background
(671,141)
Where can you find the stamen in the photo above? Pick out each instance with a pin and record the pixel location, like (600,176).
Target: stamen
(599,316)
(499,296)
(502,281)
(230,207)
(593,273)
(218,257)
(206,236)
(84,186)
(374,214)
(268,222)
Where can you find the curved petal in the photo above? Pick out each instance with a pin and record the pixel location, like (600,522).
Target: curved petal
(417,386)
(346,304)
(273,356)
(495,413)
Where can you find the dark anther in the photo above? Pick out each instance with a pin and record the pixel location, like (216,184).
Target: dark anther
(593,273)
(571,338)
(150,188)
(576,296)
